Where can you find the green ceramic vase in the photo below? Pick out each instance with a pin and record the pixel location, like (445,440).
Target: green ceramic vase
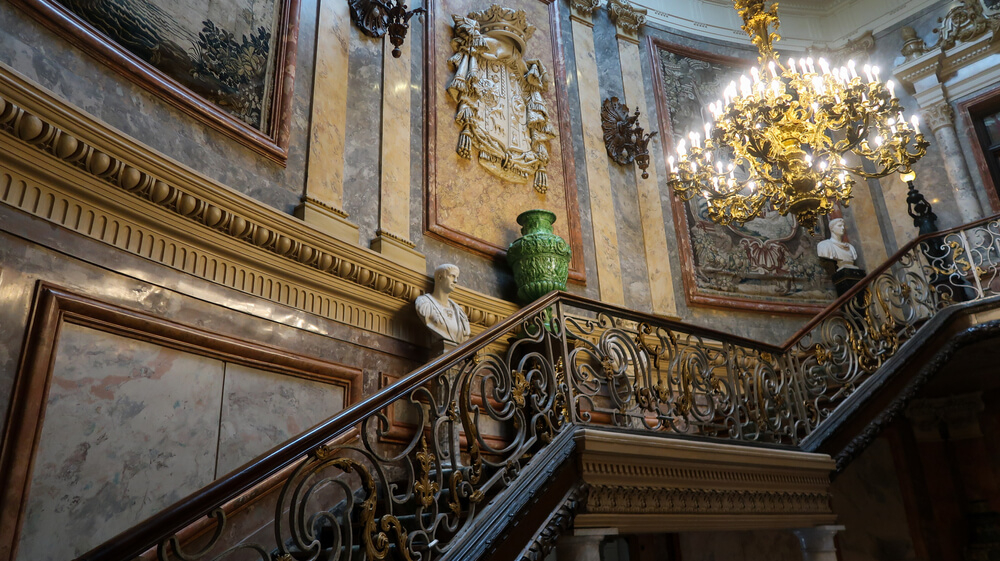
(539,258)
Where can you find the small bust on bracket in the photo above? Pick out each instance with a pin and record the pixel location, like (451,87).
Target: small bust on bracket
(440,314)
(836,248)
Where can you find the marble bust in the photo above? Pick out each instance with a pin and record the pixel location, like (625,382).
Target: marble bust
(439,313)
(836,248)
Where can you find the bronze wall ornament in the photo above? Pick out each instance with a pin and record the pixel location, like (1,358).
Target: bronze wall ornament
(623,136)
(375,17)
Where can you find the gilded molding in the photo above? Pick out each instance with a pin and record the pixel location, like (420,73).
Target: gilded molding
(209,228)
(627,18)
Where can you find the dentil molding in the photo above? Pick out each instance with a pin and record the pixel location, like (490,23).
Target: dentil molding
(65,166)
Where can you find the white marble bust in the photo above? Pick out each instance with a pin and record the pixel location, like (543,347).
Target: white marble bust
(836,248)
(440,314)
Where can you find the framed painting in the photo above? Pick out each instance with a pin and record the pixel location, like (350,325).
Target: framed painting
(768,264)
(498,128)
(228,63)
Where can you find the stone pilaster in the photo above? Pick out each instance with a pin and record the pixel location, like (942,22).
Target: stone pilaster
(602,206)
(582,545)
(323,201)
(818,543)
(392,237)
(940,117)
(628,21)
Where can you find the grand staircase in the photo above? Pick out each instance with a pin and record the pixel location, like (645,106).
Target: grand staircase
(573,412)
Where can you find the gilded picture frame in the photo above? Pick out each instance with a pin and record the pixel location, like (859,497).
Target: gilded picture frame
(264,128)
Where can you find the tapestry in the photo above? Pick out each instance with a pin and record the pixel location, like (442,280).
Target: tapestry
(222,50)
(499,139)
(767,264)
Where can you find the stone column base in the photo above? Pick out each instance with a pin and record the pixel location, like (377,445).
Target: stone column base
(400,251)
(328,220)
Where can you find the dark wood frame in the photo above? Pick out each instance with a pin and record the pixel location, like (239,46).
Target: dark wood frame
(432,227)
(272,143)
(681,226)
(967,111)
(51,308)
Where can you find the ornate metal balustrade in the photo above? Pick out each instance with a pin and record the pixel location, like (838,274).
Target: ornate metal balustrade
(434,449)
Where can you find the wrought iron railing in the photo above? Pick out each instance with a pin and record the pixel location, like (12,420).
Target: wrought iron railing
(433,449)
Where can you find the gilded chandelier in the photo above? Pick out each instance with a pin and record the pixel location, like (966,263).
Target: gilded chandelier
(793,136)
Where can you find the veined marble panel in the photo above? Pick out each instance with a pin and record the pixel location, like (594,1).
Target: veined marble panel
(394,207)
(262,409)
(661,288)
(130,428)
(602,206)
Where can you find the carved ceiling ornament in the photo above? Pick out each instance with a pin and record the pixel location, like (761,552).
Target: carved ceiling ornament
(966,21)
(504,118)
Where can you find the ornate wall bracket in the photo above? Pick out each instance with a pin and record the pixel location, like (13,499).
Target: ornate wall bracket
(623,137)
(375,17)
(503,115)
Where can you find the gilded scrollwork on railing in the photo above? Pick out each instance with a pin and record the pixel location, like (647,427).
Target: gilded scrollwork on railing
(474,426)
(471,431)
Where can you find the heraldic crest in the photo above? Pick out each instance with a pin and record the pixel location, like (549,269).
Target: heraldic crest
(501,110)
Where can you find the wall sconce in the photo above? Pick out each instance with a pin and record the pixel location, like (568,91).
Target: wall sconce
(375,17)
(623,137)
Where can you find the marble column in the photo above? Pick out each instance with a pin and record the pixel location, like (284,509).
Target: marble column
(940,117)
(818,543)
(323,202)
(628,20)
(582,545)
(602,206)
(392,238)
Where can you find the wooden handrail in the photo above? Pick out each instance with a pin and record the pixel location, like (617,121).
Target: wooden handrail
(136,540)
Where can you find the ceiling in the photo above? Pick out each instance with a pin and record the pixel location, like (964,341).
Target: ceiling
(804,23)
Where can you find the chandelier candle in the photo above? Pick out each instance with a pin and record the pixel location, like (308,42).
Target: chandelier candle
(793,136)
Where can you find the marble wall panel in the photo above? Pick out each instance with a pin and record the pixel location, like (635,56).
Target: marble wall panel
(869,503)
(80,79)
(130,428)
(363,144)
(262,409)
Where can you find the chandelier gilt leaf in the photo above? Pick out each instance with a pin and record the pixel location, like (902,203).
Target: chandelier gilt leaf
(793,136)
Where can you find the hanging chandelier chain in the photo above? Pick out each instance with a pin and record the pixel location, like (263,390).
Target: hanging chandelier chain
(758,23)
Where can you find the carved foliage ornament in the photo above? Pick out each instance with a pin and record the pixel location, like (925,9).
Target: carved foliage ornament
(626,16)
(503,116)
(965,21)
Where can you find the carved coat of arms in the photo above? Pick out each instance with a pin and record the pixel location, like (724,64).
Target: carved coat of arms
(503,116)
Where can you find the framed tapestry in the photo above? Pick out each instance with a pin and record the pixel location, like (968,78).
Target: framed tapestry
(498,128)
(227,63)
(768,264)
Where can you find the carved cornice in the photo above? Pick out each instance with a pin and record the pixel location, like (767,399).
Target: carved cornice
(627,18)
(115,190)
(938,116)
(312,200)
(404,241)
(642,483)
(860,47)
(617,499)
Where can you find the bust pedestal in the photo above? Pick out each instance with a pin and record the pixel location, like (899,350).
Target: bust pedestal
(844,279)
